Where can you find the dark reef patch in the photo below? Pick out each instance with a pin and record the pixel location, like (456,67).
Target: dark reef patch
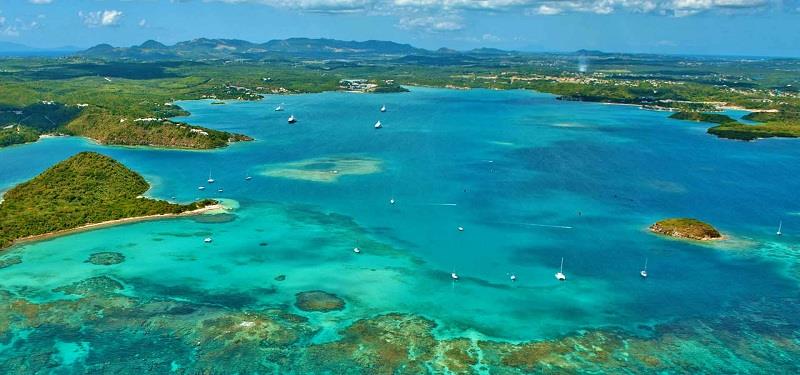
(106,258)
(10,261)
(317,300)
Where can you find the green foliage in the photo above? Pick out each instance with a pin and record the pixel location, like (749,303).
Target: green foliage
(137,82)
(715,118)
(17,135)
(84,189)
(735,130)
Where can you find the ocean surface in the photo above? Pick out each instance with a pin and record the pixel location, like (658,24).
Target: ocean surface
(530,180)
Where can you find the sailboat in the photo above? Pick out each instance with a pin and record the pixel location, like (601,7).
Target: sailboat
(513,277)
(383,108)
(391,201)
(279,108)
(207,240)
(248,178)
(643,272)
(560,275)
(357,250)
(210,180)
(378,125)
(292,119)
(780,226)
(454,275)
(460,229)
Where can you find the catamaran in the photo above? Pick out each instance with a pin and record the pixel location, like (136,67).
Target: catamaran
(643,272)
(383,108)
(560,276)
(292,119)
(378,125)
(780,226)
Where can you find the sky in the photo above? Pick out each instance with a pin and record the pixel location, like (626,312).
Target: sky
(711,27)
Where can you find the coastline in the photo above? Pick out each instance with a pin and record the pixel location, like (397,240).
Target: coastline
(111,223)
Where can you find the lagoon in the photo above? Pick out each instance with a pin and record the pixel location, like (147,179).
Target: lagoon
(530,179)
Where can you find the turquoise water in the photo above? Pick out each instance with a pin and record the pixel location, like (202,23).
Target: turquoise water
(530,179)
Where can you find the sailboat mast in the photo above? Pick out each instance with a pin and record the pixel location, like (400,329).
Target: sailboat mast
(562,265)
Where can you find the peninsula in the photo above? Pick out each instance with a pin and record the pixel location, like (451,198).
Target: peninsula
(85,191)
(687,228)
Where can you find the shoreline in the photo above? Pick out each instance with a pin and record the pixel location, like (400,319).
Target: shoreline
(111,223)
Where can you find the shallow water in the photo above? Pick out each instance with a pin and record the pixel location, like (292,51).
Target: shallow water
(530,179)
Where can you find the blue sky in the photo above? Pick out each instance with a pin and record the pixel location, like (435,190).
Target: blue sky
(732,27)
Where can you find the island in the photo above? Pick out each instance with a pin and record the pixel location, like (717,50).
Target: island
(687,228)
(715,118)
(28,123)
(85,191)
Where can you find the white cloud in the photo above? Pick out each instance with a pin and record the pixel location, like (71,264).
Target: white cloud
(101,18)
(16,27)
(535,7)
(429,23)
(548,10)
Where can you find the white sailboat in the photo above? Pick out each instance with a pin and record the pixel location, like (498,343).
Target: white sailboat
(292,119)
(454,275)
(780,226)
(391,201)
(460,229)
(207,240)
(560,276)
(383,108)
(248,178)
(210,180)
(643,272)
(378,125)
(279,108)
(201,188)
(513,277)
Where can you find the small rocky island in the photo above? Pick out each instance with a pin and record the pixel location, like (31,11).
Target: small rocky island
(687,228)
(86,190)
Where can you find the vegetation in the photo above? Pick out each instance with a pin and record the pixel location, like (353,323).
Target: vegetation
(116,86)
(739,131)
(692,229)
(715,118)
(84,189)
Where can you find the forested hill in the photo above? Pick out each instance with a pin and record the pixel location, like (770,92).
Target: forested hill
(84,189)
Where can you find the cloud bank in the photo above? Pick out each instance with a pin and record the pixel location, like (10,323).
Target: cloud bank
(101,18)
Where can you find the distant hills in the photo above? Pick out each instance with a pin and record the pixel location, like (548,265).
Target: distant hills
(204,49)
(16,49)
